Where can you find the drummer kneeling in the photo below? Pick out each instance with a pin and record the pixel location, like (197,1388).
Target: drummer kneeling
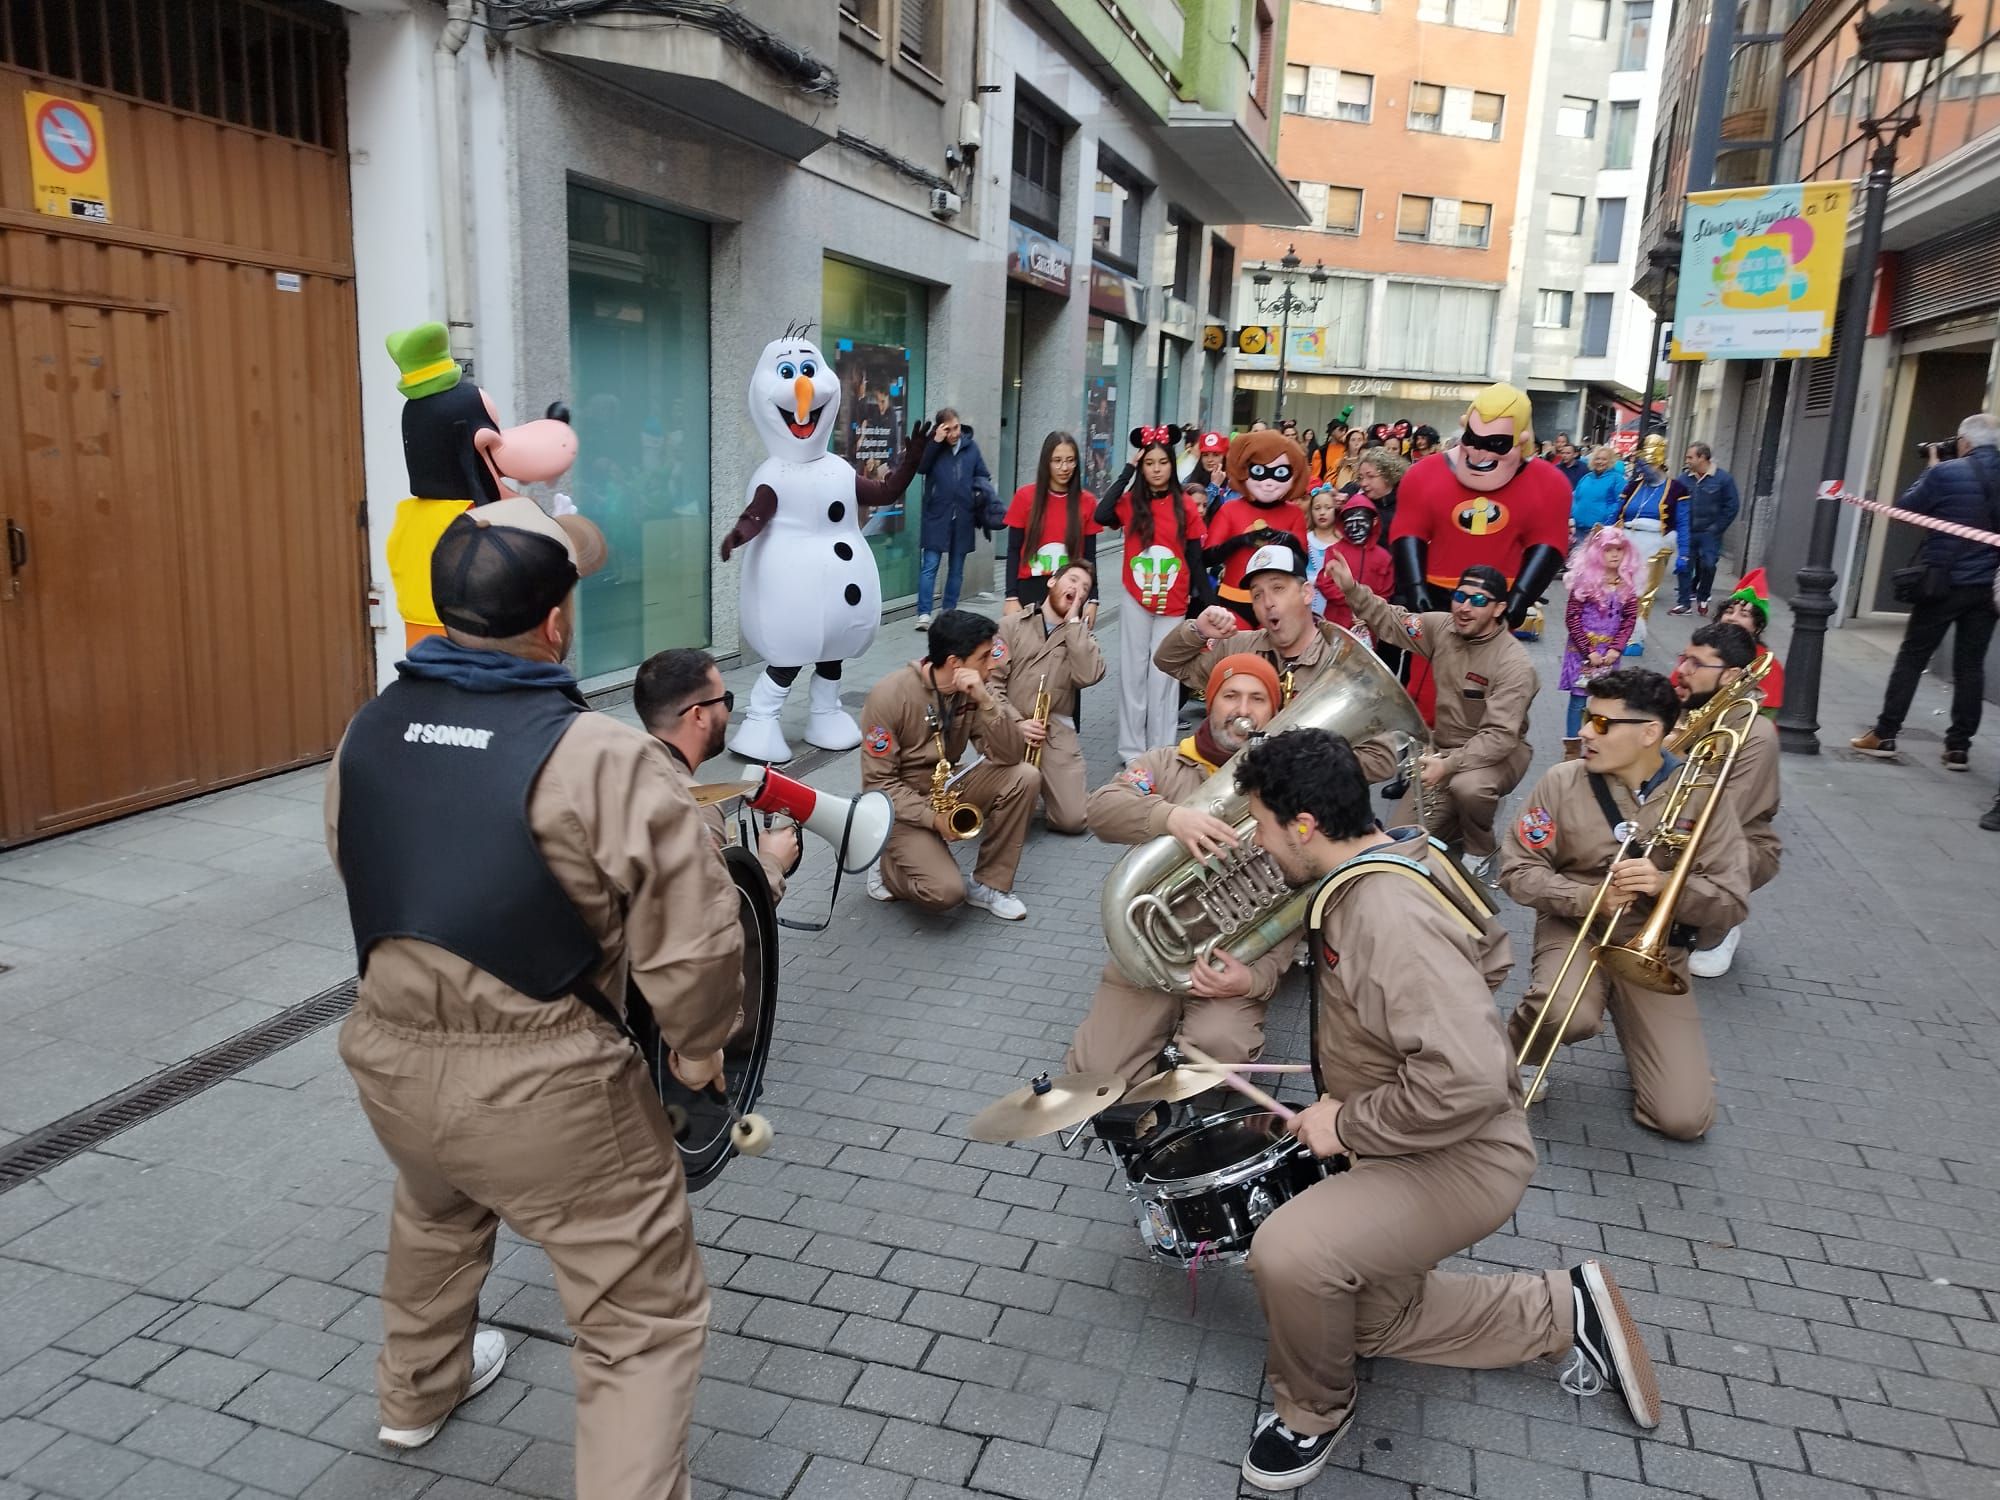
(1420,1093)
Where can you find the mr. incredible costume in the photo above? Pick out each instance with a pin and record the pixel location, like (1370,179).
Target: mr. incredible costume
(1268,472)
(1484,500)
(457,454)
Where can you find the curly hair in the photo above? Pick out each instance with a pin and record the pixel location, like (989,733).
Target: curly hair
(1641,691)
(1586,577)
(1309,771)
(1387,462)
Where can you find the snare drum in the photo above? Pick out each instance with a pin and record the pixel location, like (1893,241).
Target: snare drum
(1203,1190)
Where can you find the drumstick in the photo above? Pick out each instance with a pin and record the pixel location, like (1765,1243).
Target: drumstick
(1250,1067)
(1242,1085)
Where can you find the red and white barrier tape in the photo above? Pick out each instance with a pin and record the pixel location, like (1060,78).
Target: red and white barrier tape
(1831,490)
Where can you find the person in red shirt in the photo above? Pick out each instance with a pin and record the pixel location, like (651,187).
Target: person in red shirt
(1162,571)
(1268,470)
(1749,607)
(1367,559)
(1050,524)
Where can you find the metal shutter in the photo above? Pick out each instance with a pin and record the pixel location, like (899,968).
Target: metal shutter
(1952,274)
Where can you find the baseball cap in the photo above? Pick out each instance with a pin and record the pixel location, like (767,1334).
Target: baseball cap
(1212,442)
(1274,557)
(500,568)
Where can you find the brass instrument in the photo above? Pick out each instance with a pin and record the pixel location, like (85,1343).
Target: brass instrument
(1710,743)
(1164,911)
(1288,687)
(1043,704)
(962,818)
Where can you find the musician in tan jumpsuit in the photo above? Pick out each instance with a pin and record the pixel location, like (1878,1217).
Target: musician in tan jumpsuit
(1052,646)
(1296,642)
(1716,658)
(899,751)
(1418,1091)
(1558,853)
(495,1106)
(1485,685)
(1129,1024)
(679,698)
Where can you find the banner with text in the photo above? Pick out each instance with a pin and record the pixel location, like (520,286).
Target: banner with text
(1760,271)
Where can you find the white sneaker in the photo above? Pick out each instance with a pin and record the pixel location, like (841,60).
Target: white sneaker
(922,622)
(876,889)
(1713,963)
(489,1357)
(1003,904)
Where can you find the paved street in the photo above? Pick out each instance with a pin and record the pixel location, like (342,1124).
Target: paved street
(900,1313)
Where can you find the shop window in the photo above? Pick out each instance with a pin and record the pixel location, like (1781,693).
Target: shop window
(1107,383)
(1552,308)
(1436,109)
(1438,330)
(1576,117)
(1610,231)
(1596,325)
(1621,137)
(1635,35)
(639,366)
(875,331)
(1565,213)
(1117,201)
(1038,154)
(1589,20)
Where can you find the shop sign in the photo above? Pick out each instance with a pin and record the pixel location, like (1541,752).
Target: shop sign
(1038,260)
(66,157)
(1255,338)
(1116,295)
(1760,271)
(1213,337)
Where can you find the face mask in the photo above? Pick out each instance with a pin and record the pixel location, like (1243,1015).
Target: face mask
(1357,525)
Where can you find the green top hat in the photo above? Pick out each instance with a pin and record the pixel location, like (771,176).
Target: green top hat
(423,354)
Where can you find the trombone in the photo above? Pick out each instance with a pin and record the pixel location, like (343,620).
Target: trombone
(1711,740)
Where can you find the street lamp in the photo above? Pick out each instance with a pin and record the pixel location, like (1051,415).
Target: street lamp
(1286,303)
(1902,31)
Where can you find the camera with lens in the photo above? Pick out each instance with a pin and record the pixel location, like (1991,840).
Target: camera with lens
(1946,447)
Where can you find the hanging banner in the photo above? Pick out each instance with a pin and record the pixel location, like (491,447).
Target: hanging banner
(66,156)
(1760,272)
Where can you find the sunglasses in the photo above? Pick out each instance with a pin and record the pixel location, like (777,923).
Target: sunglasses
(727,700)
(1501,443)
(1601,723)
(1476,600)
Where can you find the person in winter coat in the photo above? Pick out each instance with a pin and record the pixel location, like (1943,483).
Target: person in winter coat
(1595,500)
(1360,547)
(1712,503)
(958,489)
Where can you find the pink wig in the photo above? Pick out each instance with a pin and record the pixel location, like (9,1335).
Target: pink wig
(1587,576)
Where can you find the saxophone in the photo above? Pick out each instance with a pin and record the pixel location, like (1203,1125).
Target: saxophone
(962,818)
(1043,704)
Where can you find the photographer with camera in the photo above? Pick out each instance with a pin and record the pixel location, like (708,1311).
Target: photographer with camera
(1950,588)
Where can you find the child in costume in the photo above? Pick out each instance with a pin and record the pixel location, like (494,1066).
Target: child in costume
(1603,607)
(1268,471)
(1322,531)
(1749,607)
(1050,524)
(1211,471)
(1360,547)
(1163,577)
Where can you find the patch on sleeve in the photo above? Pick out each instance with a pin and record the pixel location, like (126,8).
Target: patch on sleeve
(999,650)
(1413,627)
(1139,779)
(878,740)
(1537,828)
(1329,955)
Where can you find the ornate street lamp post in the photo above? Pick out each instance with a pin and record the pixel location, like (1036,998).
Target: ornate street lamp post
(1285,304)
(1902,31)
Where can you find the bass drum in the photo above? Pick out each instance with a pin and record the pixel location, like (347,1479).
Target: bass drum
(702,1120)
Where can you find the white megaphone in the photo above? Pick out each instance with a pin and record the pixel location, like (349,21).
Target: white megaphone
(858,828)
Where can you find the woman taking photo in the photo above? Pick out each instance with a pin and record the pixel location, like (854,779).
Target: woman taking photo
(1163,530)
(1050,524)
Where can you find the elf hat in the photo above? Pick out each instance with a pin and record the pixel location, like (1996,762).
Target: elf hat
(1753,586)
(423,354)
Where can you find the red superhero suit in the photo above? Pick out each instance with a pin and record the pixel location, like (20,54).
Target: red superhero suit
(1268,472)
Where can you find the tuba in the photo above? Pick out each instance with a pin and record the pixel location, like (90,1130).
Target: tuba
(1164,911)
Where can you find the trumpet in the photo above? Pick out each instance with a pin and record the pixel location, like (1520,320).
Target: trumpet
(1711,742)
(962,818)
(1043,703)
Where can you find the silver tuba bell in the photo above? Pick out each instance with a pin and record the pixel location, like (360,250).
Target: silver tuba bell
(1164,911)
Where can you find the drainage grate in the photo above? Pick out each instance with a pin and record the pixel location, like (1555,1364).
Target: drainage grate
(96,1123)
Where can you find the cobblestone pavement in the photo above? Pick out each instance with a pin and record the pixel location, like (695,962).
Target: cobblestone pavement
(190,1311)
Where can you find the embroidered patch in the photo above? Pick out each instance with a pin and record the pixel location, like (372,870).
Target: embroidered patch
(1413,628)
(999,650)
(1475,679)
(879,741)
(1139,779)
(1329,954)
(1537,828)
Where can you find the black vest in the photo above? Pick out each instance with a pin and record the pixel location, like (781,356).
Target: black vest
(434,835)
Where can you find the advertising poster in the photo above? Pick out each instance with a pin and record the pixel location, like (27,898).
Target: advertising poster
(1760,272)
(874,415)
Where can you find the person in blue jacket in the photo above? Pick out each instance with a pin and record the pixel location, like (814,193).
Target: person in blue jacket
(958,500)
(1710,509)
(1598,490)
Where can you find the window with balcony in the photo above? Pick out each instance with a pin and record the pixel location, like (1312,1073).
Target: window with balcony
(1610,231)
(1472,15)
(1589,20)
(1552,309)
(1635,34)
(1621,136)
(1596,341)
(1438,330)
(1459,222)
(1576,118)
(1436,109)
(1038,154)
(1117,200)
(1565,213)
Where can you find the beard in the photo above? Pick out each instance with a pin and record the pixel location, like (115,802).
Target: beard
(717,732)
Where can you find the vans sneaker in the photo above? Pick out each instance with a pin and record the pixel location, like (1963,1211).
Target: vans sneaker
(489,1356)
(1609,1351)
(1003,904)
(1279,1459)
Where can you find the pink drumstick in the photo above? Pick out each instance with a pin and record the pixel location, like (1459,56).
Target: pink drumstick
(1242,1085)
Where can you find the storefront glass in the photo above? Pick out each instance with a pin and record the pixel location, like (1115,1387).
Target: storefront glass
(874,327)
(1107,377)
(638,321)
(1173,352)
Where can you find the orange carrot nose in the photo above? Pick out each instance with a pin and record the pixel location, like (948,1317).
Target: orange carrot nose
(802,399)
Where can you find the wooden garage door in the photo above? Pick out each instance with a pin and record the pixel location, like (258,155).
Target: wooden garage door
(182,600)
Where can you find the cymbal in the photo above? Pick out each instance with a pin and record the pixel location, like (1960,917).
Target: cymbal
(1045,1105)
(1174,1085)
(708,793)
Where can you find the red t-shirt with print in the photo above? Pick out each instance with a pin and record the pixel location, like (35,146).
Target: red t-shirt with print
(1048,553)
(1157,576)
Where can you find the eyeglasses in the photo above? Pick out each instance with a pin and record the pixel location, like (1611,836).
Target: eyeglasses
(1476,600)
(727,700)
(1695,663)
(1601,723)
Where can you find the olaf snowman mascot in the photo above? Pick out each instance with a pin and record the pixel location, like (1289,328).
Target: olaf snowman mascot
(810,593)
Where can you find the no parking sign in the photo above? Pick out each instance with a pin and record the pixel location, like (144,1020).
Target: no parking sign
(66,152)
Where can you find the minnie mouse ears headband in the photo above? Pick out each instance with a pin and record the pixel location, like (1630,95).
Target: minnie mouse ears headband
(1169,435)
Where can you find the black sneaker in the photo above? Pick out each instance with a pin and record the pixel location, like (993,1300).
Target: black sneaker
(1279,1459)
(1957,760)
(1609,1350)
(1991,822)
